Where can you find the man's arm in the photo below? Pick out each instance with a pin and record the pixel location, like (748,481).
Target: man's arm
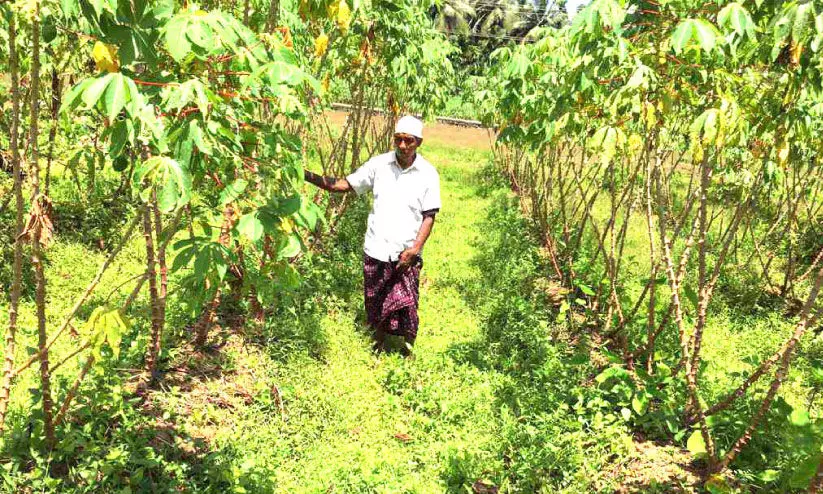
(408,255)
(330,184)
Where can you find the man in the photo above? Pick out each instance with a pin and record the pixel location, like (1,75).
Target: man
(406,190)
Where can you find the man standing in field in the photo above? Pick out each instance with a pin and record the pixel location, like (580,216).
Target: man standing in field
(406,190)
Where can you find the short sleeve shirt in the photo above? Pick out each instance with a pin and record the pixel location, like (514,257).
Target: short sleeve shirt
(400,199)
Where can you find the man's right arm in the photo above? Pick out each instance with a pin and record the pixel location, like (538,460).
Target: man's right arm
(330,184)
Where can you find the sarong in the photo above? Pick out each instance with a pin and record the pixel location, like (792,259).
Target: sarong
(391,296)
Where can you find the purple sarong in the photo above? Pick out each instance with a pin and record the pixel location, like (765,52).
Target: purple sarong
(391,296)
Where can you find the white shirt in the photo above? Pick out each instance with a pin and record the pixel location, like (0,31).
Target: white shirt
(400,198)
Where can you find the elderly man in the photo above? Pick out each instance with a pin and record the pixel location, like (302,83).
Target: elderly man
(406,190)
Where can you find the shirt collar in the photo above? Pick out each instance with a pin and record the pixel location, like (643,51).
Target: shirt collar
(413,166)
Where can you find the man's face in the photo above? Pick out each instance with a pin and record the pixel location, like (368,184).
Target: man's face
(406,145)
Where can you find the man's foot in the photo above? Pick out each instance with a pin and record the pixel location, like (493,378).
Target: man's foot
(379,345)
(407,349)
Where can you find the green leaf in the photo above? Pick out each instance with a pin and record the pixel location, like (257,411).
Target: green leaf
(287,276)
(200,34)
(803,22)
(682,35)
(768,476)
(614,372)
(585,289)
(183,257)
(172,181)
(115,97)
(706,34)
(73,97)
(176,41)
(519,65)
(696,445)
(308,215)
(288,247)
(93,92)
(626,413)
(135,99)
(119,138)
(640,403)
(698,31)
(107,325)
(738,18)
(232,191)
(250,227)
(102,6)
(642,77)
(120,163)
(289,206)
(69,7)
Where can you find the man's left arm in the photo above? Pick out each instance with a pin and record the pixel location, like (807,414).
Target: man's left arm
(407,256)
(431,206)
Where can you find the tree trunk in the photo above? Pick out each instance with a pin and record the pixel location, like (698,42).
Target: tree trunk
(161,263)
(692,362)
(806,319)
(153,347)
(274,15)
(11,331)
(36,237)
(650,339)
(91,172)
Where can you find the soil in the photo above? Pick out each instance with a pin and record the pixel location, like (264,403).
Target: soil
(655,468)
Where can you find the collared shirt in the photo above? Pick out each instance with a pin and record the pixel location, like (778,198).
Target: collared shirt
(401,197)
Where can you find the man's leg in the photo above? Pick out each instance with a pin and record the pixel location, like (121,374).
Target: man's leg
(410,317)
(376,275)
(408,345)
(379,336)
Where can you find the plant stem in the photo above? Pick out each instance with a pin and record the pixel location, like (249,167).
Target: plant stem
(17,276)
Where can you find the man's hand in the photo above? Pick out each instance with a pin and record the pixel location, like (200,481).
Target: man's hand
(407,258)
(330,184)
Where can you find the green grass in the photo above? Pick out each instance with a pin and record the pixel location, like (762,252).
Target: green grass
(497,393)
(302,404)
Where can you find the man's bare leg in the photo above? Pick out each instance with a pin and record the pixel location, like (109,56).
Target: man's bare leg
(408,346)
(379,341)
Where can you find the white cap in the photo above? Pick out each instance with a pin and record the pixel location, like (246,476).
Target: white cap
(409,125)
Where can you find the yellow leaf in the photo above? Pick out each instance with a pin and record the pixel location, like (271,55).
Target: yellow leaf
(783,153)
(105,57)
(321,44)
(287,225)
(343,16)
(697,152)
(332,9)
(650,112)
(796,50)
(325,83)
(635,144)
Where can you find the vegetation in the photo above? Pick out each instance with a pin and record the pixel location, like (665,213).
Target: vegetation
(621,294)
(650,119)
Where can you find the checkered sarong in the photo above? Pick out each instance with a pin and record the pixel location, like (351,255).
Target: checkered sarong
(391,296)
